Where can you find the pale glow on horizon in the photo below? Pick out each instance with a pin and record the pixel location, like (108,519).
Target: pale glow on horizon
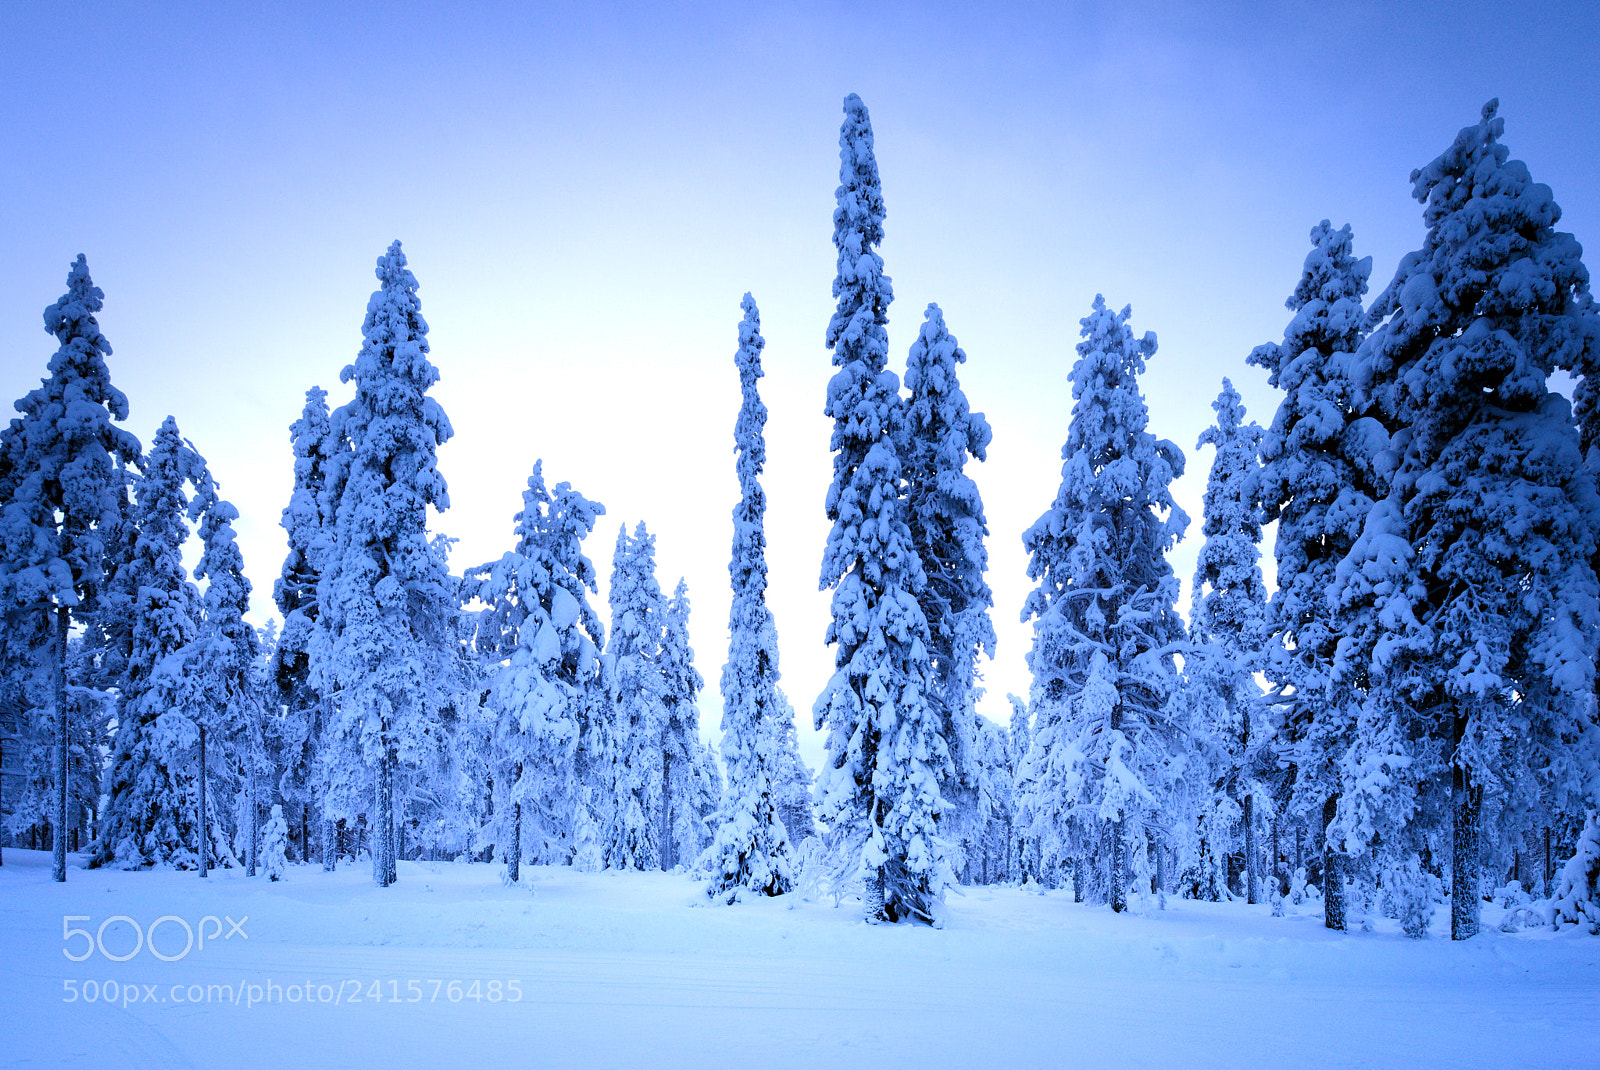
(584,197)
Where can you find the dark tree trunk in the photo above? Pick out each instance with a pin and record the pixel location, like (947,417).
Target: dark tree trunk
(1332,877)
(1119,883)
(1549,871)
(330,844)
(514,848)
(59,844)
(669,849)
(205,837)
(255,832)
(383,860)
(1466,797)
(1249,848)
(1161,871)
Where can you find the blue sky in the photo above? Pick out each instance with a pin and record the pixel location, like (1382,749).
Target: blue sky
(585,192)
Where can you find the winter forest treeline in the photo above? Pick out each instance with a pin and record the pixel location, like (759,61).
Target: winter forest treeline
(1407,720)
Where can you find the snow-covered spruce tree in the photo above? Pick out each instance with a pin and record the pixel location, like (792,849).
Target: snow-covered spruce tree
(794,777)
(630,728)
(1471,589)
(295,592)
(152,809)
(691,786)
(540,640)
(60,479)
(1019,740)
(1227,626)
(1105,627)
(1318,482)
(879,793)
(386,602)
(212,680)
(945,515)
(751,848)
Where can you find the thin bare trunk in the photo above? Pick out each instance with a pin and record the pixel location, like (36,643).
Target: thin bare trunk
(63,620)
(205,831)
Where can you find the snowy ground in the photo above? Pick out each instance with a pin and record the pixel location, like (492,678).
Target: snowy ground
(629,970)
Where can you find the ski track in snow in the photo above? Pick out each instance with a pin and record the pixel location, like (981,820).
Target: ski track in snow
(631,970)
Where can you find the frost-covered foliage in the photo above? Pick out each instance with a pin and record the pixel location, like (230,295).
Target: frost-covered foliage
(981,824)
(151,814)
(275,844)
(300,730)
(61,482)
(1227,629)
(691,784)
(945,515)
(386,601)
(751,848)
(1577,898)
(1470,600)
(629,727)
(879,793)
(213,679)
(540,640)
(1105,758)
(1323,465)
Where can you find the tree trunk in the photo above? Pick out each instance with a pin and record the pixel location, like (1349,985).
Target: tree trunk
(205,830)
(1277,865)
(1119,883)
(330,844)
(1161,871)
(1332,877)
(514,848)
(1549,871)
(1466,797)
(668,848)
(1249,848)
(59,840)
(251,857)
(383,863)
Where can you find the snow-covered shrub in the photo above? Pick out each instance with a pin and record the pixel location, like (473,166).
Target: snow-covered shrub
(1412,893)
(1577,898)
(1510,895)
(275,841)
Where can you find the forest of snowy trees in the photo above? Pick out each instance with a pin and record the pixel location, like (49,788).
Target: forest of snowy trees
(1405,720)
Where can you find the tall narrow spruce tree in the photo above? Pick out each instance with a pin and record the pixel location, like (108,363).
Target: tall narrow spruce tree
(631,724)
(152,814)
(295,592)
(751,850)
(1320,474)
(1105,626)
(1227,627)
(540,641)
(945,516)
(60,482)
(879,792)
(386,601)
(1470,597)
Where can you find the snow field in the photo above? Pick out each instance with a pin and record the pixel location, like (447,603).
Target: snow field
(626,969)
